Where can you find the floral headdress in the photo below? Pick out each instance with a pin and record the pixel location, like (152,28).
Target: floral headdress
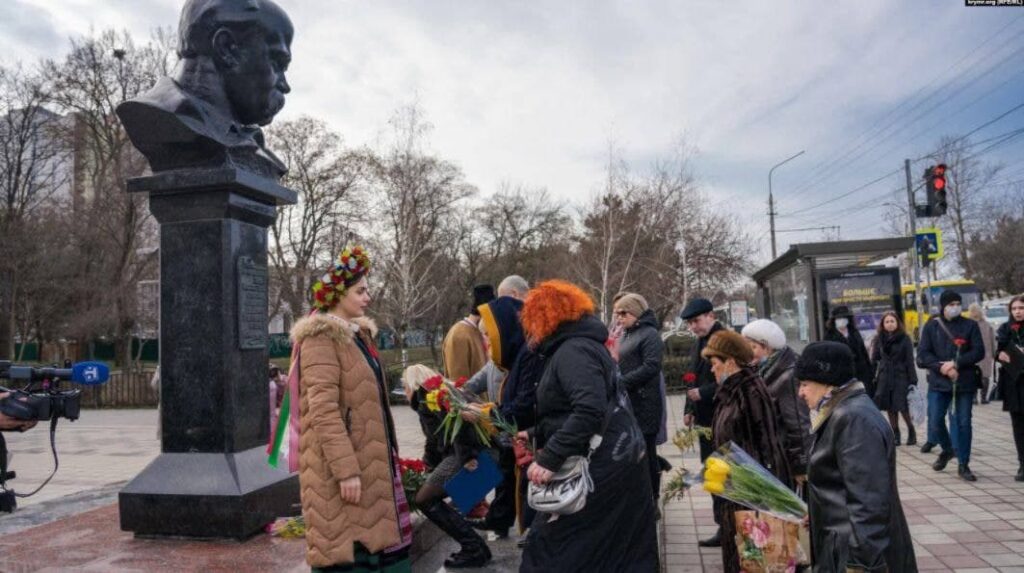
(353,264)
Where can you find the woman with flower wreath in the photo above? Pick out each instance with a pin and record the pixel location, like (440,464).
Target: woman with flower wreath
(1010,345)
(426,393)
(577,399)
(353,502)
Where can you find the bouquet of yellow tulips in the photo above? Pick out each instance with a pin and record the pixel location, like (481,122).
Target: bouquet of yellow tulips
(732,474)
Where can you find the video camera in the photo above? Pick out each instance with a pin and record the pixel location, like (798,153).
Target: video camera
(41,398)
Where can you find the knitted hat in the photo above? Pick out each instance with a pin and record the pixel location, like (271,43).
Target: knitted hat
(829,363)
(632,303)
(696,307)
(500,318)
(482,294)
(766,332)
(948,297)
(726,344)
(841,312)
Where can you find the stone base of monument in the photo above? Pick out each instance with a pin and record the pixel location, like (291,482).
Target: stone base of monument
(208,495)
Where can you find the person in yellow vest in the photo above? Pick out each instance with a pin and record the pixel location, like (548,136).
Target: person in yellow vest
(463,348)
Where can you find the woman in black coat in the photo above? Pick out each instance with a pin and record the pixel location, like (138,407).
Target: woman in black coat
(1011,333)
(856,519)
(841,327)
(892,355)
(640,355)
(576,402)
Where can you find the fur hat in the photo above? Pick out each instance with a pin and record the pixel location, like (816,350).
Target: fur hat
(696,307)
(727,344)
(632,303)
(829,363)
(766,333)
(948,297)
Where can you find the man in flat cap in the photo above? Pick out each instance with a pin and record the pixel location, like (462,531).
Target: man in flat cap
(230,79)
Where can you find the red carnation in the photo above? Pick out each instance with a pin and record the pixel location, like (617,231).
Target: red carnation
(461,382)
(444,400)
(689,378)
(432,383)
(959,342)
(1015,326)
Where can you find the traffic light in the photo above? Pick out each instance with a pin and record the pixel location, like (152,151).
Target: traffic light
(935,180)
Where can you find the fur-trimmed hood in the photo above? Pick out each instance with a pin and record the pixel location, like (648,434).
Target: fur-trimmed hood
(320,324)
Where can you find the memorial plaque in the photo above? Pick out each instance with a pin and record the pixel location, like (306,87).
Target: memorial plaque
(252,305)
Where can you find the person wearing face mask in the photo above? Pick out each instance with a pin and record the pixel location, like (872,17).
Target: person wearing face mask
(774,362)
(1010,339)
(843,329)
(950,349)
(856,519)
(745,414)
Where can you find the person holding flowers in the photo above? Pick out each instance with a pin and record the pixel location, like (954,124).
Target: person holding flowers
(746,415)
(856,519)
(431,398)
(1010,352)
(350,481)
(577,399)
(950,349)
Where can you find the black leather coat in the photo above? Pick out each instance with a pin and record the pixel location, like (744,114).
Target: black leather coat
(857,520)
(795,418)
(640,355)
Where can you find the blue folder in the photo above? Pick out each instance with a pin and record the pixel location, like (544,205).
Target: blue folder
(467,488)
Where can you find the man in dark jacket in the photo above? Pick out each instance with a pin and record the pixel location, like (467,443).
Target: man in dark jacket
(950,349)
(640,355)
(856,519)
(699,315)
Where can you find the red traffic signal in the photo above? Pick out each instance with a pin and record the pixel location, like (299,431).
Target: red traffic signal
(935,180)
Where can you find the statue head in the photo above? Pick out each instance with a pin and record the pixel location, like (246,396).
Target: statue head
(249,44)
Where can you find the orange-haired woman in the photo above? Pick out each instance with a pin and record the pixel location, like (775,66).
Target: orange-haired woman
(577,399)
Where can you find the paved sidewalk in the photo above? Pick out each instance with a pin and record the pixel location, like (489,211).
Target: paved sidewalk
(957,526)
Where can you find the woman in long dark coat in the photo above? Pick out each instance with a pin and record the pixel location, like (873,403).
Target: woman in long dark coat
(841,327)
(1010,333)
(746,415)
(576,399)
(892,354)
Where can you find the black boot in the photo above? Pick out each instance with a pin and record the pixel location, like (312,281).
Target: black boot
(911,436)
(713,541)
(927,448)
(965,473)
(1020,473)
(896,434)
(475,552)
(944,457)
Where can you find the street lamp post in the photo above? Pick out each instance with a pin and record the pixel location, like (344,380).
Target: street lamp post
(771,200)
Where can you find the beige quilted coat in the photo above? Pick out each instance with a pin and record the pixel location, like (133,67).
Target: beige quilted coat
(344,434)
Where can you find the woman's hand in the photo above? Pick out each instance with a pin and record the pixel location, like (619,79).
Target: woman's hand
(472,413)
(523,436)
(539,475)
(1004,358)
(471,465)
(351,489)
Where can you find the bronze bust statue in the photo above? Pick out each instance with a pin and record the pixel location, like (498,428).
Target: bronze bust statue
(229,80)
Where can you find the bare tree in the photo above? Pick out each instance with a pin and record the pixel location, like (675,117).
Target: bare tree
(116,234)
(306,236)
(413,195)
(34,166)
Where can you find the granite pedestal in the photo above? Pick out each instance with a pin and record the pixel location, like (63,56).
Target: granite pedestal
(211,479)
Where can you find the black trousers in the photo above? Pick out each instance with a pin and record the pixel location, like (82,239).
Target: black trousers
(654,467)
(1017,419)
(502,514)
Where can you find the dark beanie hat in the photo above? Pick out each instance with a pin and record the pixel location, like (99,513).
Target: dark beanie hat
(841,311)
(482,294)
(829,363)
(948,297)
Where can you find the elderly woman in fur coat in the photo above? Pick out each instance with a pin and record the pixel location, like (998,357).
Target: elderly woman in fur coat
(356,514)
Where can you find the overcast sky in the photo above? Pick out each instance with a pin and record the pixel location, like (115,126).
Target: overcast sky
(532,92)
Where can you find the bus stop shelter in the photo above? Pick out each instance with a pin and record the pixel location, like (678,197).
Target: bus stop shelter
(791,289)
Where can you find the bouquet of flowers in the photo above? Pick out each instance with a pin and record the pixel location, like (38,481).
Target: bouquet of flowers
(288,528)
(446,396)
(414,475)
(732,474)
(685,439)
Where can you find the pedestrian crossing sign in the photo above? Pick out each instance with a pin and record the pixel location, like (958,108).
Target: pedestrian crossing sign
(929,243)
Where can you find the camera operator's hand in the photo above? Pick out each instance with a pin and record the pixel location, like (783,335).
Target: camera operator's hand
(8,423)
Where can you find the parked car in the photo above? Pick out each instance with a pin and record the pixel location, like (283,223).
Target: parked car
(996,311)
